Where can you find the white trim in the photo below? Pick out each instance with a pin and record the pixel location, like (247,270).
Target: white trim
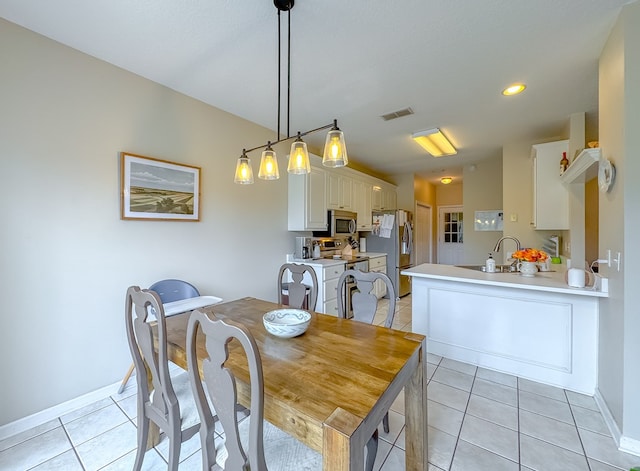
(625,444)
(39,418)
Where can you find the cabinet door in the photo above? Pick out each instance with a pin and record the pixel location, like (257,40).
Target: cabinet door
(550,197)
(307,209)
(316,210)
(339,192)
(376,198)
(389,199)
(362,204)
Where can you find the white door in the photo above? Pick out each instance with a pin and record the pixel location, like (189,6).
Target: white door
(422,234)
(450,236)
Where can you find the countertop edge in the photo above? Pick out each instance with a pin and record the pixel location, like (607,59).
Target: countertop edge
(551,282)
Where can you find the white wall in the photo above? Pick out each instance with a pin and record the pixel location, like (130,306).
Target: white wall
(67,258)
(482,191)
(619,101)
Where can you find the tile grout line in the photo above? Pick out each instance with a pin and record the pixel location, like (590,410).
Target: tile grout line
(73,447)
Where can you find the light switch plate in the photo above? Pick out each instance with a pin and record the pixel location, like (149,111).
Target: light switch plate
(513,217)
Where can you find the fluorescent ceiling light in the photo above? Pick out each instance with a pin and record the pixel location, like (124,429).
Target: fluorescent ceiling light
(434,142)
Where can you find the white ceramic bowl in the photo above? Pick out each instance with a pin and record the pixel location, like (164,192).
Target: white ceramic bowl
(286,323)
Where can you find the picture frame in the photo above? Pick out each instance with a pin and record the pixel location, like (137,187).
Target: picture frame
(154,189)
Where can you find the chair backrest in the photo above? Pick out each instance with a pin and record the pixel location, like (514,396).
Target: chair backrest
(174,290)
(163,408)
(296,289)
(364,301)
(221,387)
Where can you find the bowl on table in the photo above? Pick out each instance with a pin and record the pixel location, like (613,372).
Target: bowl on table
(286,323)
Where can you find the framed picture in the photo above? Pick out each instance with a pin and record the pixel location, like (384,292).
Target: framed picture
(157,189)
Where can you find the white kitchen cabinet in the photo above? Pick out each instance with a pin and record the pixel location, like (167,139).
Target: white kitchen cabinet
(550,197)
(362,192)
(339,191)
(383,198)
(378,263)
(327,287)
(307,201)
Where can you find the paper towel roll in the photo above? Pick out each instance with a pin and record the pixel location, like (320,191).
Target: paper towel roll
(363,244)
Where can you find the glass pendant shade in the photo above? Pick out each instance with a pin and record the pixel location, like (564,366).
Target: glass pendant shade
(268,165)
(299,158)
(244,174)
(335,149)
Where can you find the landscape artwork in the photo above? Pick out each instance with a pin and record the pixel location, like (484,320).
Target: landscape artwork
(157,189)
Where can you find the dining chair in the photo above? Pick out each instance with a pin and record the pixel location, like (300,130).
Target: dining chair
(300,295)
(221,387)
(364,304)
(167,401)
(169,290)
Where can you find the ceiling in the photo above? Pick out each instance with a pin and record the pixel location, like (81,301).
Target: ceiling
(357,60)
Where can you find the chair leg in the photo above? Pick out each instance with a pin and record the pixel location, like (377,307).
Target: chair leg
(372,451)
(174,453)
(126,379)
(143,436)
(385,423)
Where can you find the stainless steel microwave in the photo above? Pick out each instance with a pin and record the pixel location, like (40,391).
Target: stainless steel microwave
(340,224)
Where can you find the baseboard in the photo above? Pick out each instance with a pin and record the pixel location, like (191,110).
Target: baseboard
(625,444)
(39,418)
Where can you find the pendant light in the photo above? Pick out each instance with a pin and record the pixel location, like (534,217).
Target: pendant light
(299,158)
(335,152)
(244,174)
(269,164)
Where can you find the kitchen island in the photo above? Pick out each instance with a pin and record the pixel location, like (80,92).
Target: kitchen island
(537,328)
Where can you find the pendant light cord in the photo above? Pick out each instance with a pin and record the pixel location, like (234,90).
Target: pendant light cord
(279,67)
(288,71)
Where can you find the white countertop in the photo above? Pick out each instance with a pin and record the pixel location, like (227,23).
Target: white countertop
(328,262)
(553,281)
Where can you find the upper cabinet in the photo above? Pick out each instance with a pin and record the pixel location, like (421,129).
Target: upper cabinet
(550,197)
(311,196)
(362,192)
(307,201)
(384,198)
(339,191)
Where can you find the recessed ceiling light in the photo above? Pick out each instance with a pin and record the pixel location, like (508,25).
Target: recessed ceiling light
(514,89)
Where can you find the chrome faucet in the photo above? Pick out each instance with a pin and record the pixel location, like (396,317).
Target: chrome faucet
(497,247)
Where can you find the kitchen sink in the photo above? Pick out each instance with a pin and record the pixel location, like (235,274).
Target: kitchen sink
(499,268)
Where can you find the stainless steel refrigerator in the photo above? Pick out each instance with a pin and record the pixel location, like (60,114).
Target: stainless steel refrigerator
(396,240)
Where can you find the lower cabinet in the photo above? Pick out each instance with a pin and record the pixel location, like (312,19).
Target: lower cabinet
(328,288)
(378,264)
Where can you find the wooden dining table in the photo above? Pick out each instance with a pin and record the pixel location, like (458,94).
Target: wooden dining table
(331,386)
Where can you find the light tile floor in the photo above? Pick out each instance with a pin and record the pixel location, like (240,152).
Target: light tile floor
(478,420)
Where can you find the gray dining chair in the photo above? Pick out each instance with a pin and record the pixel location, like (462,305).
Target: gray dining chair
(220,384)
(300,295)
(364,304)
(167,401)
(169,290)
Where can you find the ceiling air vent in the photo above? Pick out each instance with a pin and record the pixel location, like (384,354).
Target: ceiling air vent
(397,114)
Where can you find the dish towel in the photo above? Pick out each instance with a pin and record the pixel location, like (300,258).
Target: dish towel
(387,226)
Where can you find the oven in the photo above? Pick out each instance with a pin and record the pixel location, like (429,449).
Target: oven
(350,286)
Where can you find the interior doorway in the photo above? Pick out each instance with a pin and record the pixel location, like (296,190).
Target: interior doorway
(450,235)
(423,231)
